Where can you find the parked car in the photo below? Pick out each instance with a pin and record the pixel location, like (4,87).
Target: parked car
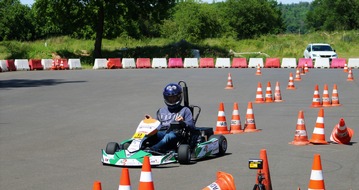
(319,50)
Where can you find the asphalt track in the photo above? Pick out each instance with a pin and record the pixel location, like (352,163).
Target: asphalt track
(53,125)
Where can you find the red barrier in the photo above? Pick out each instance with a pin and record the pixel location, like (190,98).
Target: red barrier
(175,63)
(272,63)
(35,64)
(143,63)
(303,61)
(11,65)
(114,63)
(338,63)
(239,63)
(206,63)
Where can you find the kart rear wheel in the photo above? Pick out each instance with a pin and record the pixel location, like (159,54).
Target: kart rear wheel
(222,144)
(112,147)
(184,154)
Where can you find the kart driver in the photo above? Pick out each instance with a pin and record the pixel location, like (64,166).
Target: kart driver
(174,111)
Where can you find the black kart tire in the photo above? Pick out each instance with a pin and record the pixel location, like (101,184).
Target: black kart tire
(124,146)
(222,144)
(112,147)
(184,154)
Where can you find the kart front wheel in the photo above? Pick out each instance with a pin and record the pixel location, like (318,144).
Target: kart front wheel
(112,147)
(222,144)
(184,154)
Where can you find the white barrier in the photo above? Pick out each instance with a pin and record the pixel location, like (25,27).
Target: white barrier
(322,63)
(190,63)
(75,64)
(100,64)
(46,63)
(128,63)
(353,62)
(289,63)
(159,63)
(223,63)
(254,62)
(3,66)
(22,64)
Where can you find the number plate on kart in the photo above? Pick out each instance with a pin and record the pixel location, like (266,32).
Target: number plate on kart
(138,135)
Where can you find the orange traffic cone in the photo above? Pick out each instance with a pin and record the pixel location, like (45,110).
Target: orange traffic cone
(318,136)
(350,75)
(125,183)
(259,94)
(267,180)
(250,124)
(258,72)
(291,82)
(229,82)
(345,68)
(96,185)
(316,97)
(300,136)
(297,75)
(306,68)
(325,99)
(341,134)
(146,182)
(316,176)
(269,98)
(335,96)
(236,126)
(302,71)
(277,93)
(221,127)
(224,181)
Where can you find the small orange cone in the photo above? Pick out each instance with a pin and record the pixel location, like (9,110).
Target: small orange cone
(229,82)
(316,176)
(306,68)
(269,97)
(302,71)
(97,185)
(318,136)
(258,72)
(250,124)
(225,181)
(291,82)
(341,134)
(300,136)
(221,127)
(125,183)
(335,96)
(146,182)
(345,68)
(277,93)
(325,99)
(350,75)
(259,94)
(267,180)
(316,97)
(297,75)
(236,126)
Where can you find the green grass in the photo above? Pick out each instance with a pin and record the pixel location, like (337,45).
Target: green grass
(346,44)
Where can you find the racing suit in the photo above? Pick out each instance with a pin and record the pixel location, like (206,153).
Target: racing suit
(167,115)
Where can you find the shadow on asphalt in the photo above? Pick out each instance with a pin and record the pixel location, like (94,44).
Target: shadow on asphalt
(21,83)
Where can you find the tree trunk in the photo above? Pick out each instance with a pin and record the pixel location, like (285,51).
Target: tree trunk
(99,30)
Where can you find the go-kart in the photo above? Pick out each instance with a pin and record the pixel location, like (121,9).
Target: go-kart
(193,144)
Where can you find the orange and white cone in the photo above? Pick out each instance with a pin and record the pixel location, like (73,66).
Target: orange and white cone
(326,99)
(300,136)
(297,75)
(291,82)
(341,134)
(267,180)
(250,124)
(146,182)
(318,136)
(350,75)
(335,96)
(302,71)
(225,181)
(306,68)
(269,97)
(97,185)
(236,126)
(316,175)
(316,97)
(345,68)
(221,127)
(259,94)
(125,183)
(229,82)
(277,93)
(258,72)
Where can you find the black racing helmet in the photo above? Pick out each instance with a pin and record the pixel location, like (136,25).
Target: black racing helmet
(172,95)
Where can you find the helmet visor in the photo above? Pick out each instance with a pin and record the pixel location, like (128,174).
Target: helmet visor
(172,100)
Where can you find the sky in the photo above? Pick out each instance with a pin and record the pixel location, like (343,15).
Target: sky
(30,2)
